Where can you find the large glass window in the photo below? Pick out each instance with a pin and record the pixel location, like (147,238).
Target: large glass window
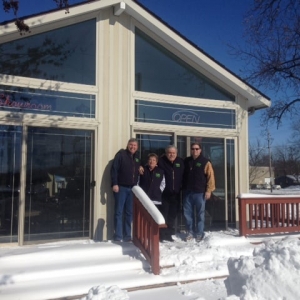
(65,54)
(157,70)
(184,115)
(47,102)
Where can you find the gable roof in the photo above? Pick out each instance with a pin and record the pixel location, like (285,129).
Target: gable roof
(256,99)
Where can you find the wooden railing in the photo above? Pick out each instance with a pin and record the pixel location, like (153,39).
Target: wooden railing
(260,214)
(146,223)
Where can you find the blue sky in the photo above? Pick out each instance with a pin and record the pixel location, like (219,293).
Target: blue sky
(210,24)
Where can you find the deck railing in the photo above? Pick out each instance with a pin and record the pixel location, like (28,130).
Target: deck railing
(147,220)
(261,214)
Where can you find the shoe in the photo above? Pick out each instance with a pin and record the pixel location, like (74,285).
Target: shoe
(168,238)
(118,240)
(199,238)
(127,240)
(189,237)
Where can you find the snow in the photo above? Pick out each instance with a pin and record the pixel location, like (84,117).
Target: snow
(222,266)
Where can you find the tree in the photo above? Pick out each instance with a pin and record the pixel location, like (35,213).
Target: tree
(286,160)
(12,6)
(272,53)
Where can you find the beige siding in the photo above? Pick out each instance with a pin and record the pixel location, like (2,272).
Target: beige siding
(113,109)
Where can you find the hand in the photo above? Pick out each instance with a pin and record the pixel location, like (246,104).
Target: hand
(115,188)
(207,195)
(141,170)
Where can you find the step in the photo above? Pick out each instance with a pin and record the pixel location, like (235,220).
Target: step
(61,254)
(65,269)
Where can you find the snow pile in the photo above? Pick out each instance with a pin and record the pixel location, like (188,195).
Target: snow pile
(273,272)
(106,293)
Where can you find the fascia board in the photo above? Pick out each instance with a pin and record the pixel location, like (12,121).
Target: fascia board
(59,15)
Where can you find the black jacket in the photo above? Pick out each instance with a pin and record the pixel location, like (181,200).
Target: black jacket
(125,169)
(151,181)
(173,174)
(194,177)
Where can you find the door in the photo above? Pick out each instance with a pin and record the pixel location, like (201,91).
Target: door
(58,184)
(220,210)
(10,165)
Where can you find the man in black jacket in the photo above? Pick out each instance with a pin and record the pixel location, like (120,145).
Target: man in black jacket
(198,184)
(124,175)
(173,167)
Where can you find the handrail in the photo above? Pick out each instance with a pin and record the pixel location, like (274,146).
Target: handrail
(147,220)
(259,214)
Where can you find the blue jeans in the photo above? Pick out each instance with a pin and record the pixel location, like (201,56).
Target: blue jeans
(191,200)
(123,205)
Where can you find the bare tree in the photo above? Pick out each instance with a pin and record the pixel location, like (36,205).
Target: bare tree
(287,160)
(12,6)
(272,53)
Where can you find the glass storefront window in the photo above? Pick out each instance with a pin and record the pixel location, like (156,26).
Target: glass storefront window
(65,54)
(157,70)
(183,115)
(47,102)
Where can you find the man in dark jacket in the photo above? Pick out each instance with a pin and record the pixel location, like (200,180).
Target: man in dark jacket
(198,183)
(173,167)
(124,175)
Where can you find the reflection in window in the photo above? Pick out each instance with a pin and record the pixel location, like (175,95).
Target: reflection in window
(157,70)
(47,102)
(65,54)
(152,143)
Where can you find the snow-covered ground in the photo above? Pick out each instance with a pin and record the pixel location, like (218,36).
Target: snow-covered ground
(253,268)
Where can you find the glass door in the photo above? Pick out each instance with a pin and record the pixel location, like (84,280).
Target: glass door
(153,143)
(220,208)
(10,162)
(58,184)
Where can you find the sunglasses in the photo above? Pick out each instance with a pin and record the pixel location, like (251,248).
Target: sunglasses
(195,148)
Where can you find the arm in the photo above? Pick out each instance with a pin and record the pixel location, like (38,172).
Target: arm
(209,172)
(114,172)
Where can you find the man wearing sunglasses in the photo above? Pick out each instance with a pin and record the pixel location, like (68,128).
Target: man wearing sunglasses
(198,183)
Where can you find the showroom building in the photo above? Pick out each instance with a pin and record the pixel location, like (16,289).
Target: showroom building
(78,86)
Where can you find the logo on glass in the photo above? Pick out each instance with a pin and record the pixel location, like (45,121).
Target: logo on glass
(185,116)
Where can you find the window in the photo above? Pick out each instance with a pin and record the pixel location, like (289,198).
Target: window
(65,54)
(47,102)
(183,115)
(157,70)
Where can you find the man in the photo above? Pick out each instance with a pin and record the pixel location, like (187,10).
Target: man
(173,167)
(124,175)
(198,183)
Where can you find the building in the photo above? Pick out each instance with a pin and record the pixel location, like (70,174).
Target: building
(73,92)
(258,176)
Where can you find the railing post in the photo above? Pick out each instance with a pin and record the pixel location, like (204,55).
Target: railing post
(146,234)
(242,217)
